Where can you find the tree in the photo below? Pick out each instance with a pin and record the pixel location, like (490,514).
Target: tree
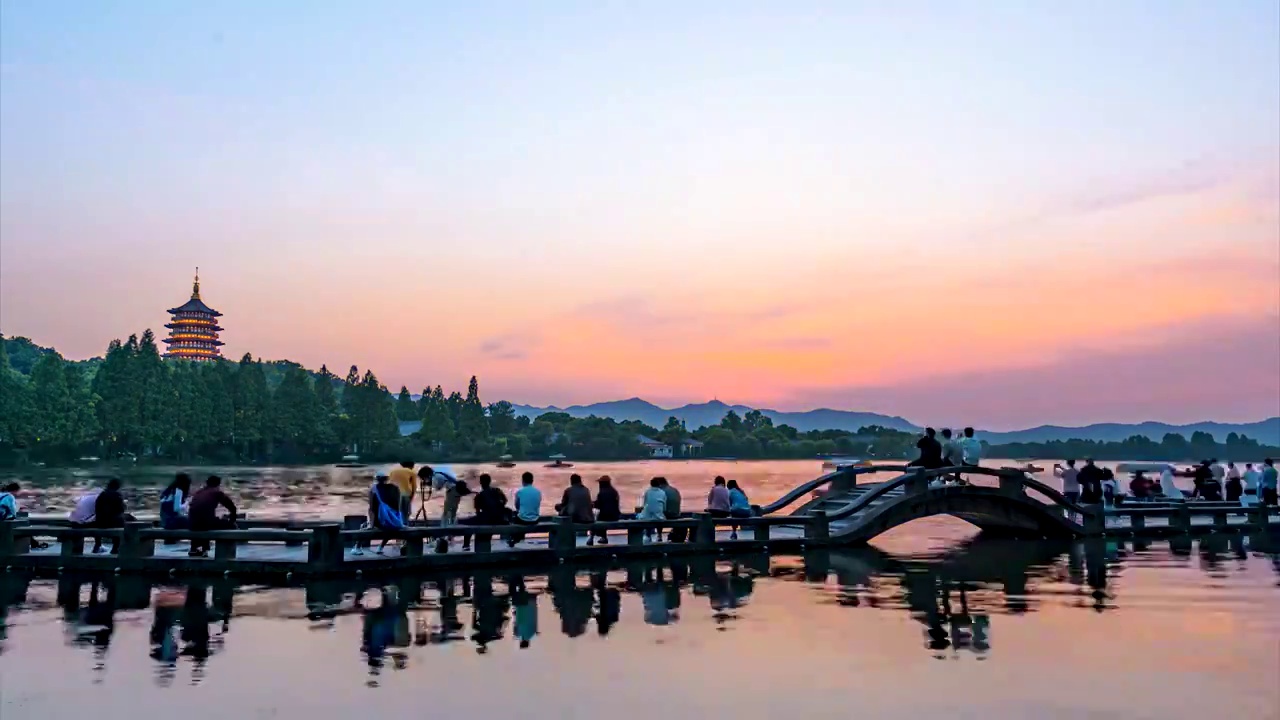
(672,433)
(327,413)
(502,418)
(755,420)
(15,404)
(252,407)
(437,426)
(295,409)
(732,422)
(406,408)
(472,424)
(52,402)
(156,395)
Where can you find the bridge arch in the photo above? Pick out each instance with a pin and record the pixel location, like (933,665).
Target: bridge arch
(993,510)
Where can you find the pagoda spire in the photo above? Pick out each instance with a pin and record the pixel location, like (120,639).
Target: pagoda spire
(195,287)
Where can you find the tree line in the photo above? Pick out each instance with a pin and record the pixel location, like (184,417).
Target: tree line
(133,403)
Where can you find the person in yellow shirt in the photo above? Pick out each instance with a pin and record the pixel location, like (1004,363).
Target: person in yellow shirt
(406,480)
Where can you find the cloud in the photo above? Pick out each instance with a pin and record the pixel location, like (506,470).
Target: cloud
(1190,177)
(799,343)
(641,315)
(509,346)
(1222,368)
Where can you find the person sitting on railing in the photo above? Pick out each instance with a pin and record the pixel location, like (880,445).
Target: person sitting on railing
(970,449)
(173,511)
(108,511)
(718,499)
(575,504)
(9,501)
(490,504)
(384,508)
(528,507)
(739,506)
(672,510)
(1168,488)
(608,506)
(83,514)
(653,506)
(203,513)
(1141,486)
(930,451)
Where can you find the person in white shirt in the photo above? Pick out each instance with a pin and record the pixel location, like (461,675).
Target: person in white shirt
(1233,472)
(1170,491)
(1070,483)
(970,448)
(1219,472)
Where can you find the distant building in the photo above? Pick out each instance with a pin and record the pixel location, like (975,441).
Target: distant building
(193,329)
(656,449)
(690,447)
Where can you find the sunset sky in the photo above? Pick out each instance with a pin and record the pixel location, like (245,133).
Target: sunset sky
(988,212)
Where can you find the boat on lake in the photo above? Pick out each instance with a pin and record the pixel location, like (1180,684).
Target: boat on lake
(558,461)
(351,461)
(504,461)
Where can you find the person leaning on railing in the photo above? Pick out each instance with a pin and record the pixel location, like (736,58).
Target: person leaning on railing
(203,512)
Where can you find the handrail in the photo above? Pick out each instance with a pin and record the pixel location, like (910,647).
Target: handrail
(920,473)
(808,487)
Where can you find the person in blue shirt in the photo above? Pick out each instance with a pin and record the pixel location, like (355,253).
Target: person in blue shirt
(1270,481)
(739,506)
(528,507)
(9,501)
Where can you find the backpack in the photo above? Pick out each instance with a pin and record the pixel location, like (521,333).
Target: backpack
(388,517)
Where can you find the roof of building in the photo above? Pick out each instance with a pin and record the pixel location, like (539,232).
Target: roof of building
(195,304)
(645,440)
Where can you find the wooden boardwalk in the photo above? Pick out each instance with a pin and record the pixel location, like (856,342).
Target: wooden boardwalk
(846,512)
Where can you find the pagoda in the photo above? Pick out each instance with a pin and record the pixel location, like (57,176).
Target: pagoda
(193,329)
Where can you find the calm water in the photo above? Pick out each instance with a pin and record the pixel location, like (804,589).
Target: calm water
(984,629)
(329,491)
(928,621)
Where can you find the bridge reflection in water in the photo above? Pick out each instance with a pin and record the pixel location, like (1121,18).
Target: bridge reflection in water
(955,596)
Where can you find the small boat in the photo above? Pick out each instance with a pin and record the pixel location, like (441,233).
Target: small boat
(351,461)
(833,463)
(559,462)
(1026,468)
(1143,467)
(504,461)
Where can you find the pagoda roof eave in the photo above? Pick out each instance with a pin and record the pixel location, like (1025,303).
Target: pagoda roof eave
(194,305)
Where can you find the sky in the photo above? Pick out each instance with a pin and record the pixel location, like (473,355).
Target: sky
(990,212)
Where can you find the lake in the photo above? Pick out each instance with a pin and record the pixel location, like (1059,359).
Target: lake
(928,621)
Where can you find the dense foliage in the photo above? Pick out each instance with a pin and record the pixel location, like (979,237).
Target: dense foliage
(134,403)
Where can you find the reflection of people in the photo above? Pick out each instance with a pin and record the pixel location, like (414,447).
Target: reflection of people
(526,612)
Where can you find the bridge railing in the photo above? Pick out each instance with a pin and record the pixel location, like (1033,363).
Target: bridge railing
(1012,482)
(842,475)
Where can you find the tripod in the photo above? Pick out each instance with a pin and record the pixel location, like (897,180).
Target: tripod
(424,493)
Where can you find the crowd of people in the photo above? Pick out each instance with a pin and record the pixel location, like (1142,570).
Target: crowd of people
(1093,485)
(950,451)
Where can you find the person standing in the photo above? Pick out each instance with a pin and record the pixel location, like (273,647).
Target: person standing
(1270,479)
(970,449)
(1233,488)
(406,482)
(1249,485)
(608,507)
(108,513)
(528,507)
(1070,483)
(672,510)
(203,513)
(1090,478)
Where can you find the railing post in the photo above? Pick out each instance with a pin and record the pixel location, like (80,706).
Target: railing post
(844,480)
(412,543)
(818,528)
(224,549)
(1137,523)
(9,544)
(1181,518)
(1220,521)
(1013,486)
(483,543)
(72,546)
(1095,523)
(705,533)
(563,538)
(325,545)
(132,544)
(762,533)
(635,536)
(918,482)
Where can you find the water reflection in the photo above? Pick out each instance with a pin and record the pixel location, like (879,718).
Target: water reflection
(956,597)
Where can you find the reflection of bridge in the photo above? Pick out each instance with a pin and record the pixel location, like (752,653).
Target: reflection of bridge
(847,513)
(956,597)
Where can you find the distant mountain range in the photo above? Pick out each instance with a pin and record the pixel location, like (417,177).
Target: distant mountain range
(710,413)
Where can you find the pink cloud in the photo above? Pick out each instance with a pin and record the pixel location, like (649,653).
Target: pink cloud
(1224,369)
